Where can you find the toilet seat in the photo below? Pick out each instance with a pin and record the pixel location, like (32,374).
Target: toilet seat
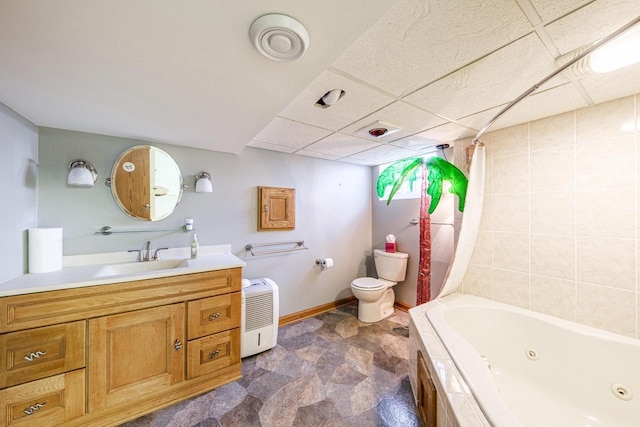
(368,284)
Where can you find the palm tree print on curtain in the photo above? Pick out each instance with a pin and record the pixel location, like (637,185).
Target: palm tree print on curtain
(434,172)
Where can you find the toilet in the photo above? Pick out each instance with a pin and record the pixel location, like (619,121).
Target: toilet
(375,296)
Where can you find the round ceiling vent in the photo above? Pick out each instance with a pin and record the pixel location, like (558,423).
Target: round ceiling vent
(279,37)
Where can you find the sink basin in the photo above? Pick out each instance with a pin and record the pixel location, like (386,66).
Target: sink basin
(139,267)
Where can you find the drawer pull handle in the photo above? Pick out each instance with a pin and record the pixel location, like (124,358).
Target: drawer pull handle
(214,316)
(214,354)
(32,356)
(34,408)
(177,345)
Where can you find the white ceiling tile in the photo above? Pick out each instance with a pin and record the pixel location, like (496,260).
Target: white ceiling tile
(416,142)
(479,120)
(591,23)
(408,118)
(383,154)
(291,134)
(357,161)
(272,147)
(417,41)
(448,132)
(478,86)
(341,145)
(310,153)
(554,101)
(616,84)
(543,104)
(358,101)
(550,10)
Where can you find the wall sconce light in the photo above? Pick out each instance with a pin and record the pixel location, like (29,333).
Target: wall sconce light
(81,174)
(203,183)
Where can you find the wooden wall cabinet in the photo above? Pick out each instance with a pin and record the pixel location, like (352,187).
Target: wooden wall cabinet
(106,354)
(276,208)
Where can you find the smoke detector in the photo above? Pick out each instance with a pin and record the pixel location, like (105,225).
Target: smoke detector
(279,37)
(377,129)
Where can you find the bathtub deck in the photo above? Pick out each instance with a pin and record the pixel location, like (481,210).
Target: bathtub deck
(456,405)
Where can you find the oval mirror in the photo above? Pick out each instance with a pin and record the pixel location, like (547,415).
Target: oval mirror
(146,183)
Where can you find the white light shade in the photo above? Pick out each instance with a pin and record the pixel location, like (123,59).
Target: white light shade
(203,183)
(620,52)
(81,174)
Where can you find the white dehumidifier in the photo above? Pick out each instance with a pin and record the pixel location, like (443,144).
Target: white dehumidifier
(259,322)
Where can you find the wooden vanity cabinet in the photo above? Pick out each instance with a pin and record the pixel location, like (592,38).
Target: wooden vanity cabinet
(106,354)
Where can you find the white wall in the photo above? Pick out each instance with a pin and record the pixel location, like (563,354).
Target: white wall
(333,211)
(559,232)
(18,180)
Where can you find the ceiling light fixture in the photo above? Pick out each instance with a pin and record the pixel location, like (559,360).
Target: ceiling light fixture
(620,52)
(329,98)
(378,129)
(279,37)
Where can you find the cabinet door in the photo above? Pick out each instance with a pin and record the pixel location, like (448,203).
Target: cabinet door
(48,402)
(276,208)
(426,395)
(132,355)
(42,352)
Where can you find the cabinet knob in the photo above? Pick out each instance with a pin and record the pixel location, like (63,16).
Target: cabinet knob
(34,355)
(34,408)
(214,354)
(177,345)
(214,316)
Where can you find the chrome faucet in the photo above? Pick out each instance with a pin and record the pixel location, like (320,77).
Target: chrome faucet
(147,253)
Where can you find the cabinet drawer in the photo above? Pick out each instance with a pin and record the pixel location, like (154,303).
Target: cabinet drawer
(211,315)
(48,402)
(208,354)
(42,352)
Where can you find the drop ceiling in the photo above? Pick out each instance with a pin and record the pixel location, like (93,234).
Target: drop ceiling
(185,73)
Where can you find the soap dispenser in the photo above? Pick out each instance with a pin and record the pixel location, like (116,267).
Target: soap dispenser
(195,246)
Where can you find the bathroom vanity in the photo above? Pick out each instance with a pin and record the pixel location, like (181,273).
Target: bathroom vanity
(104,347)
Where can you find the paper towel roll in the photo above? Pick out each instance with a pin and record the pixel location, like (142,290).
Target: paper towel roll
(45,249)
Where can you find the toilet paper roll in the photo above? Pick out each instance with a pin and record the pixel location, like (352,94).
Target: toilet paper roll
(45,249)
(327,262)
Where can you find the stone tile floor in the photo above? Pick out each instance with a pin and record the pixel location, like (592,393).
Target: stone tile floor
(328,370)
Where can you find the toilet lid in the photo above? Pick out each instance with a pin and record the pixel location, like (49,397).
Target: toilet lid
(368,283)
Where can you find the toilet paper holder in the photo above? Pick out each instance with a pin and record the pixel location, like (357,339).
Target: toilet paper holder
(324,263)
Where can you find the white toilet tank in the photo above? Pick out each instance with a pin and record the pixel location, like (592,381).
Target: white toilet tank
(391,266)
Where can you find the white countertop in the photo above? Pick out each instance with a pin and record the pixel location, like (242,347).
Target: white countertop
(95,269)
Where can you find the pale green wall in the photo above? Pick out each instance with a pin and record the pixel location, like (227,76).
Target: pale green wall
(18,184)
(333,211)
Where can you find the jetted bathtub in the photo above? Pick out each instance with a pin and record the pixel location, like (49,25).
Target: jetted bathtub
(528,369)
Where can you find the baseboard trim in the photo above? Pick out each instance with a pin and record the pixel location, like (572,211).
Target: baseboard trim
(402,306)
(310,312)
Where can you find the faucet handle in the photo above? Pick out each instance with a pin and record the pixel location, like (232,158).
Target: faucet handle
(139,253)
(156,255)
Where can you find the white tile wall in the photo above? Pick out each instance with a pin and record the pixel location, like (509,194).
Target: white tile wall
(560,231)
